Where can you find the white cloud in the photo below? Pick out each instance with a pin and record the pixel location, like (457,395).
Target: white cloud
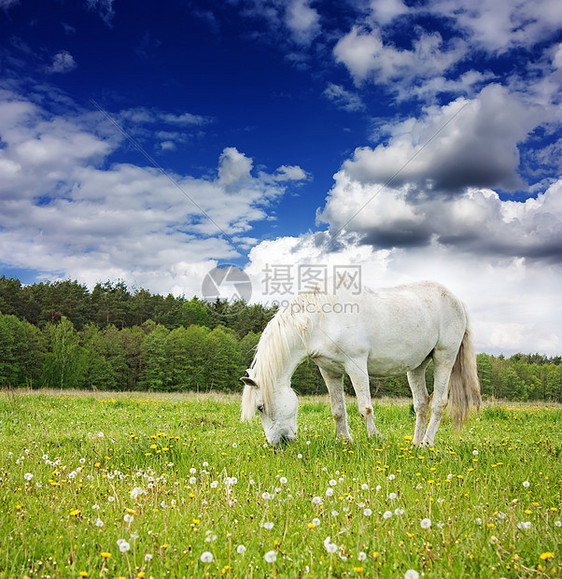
(467,143)
(367,57)
(302,20)
(343,98)
(63,62)
(63,212)
(104,8)
(384,11)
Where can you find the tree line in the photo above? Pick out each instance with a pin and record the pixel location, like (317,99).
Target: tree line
(61,335)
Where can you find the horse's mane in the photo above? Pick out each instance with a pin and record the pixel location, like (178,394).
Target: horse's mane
(286,329)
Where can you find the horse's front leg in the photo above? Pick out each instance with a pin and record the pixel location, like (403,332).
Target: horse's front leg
(334,383)
(357,372)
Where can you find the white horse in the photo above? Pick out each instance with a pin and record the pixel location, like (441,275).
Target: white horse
(378,333)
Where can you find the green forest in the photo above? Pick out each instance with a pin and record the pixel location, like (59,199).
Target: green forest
(62,335)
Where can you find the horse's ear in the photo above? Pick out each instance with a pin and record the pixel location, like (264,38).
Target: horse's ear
(249,381)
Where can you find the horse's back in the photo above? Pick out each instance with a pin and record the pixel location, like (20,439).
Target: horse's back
(396,328)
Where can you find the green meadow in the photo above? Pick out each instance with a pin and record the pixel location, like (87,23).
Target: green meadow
(139,485)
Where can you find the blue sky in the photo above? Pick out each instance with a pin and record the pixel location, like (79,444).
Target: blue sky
(150,142)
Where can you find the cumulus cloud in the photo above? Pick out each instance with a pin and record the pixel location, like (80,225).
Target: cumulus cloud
(367,57)
(63,62)
(63,212)
(467,143)
(302,20)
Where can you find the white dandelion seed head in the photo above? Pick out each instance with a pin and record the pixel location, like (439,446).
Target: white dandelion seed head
(361,556)
(333,482)
(411,574)
(268,526)
(391,476)
(425,523)
(387,514)
(316,521)
(329,492)
(317,500)
(28,476)
(124,546)
(283,480)
(192,480)
(365,486)
(98,522)
(206,557)
(241,549)
(392,496)
(148,557)
(526,484)
(270,556)
(367,512)
(379,488)
(128,518)
(558,523)
(524,525)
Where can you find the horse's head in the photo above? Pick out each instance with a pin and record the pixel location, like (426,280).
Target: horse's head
(278,411)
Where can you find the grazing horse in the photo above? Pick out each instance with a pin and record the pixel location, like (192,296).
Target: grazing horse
(377,333)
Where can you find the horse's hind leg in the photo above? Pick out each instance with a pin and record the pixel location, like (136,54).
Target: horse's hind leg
(334,383)
(416,379)
(357,371)
(443,365)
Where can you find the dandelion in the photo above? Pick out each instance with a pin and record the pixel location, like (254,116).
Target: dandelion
(329,492)
(111,499)
(379,488)
(105,555)
(425,523)
(526,484)
(367,512)
(136,492)
(558,523)
(148,557)
(283,480)
(524,525)
(329,546)
(391,476)
(399,511)
(270,556)
(411,574)
(241,549)
(475,452)
(546,556)
(392,496)
(123,545)
(332,482)
(214,484)
(361,556)
(98,522)
(478,521)
(317,500)
(206,557)
(193,470)
(387,514)
(128,518)
(28,476)
(494,540)
(192,480)
(268,526)
(365,486)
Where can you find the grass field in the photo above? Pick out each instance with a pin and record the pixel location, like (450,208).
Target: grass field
(133,485)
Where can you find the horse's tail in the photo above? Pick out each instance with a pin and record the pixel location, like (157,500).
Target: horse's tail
(464,386)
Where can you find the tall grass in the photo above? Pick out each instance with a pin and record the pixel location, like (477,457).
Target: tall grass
(175,486)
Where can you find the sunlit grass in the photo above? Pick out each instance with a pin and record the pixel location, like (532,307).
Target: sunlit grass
(141,486)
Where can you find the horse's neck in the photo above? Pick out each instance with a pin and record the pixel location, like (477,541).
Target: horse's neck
(289,356)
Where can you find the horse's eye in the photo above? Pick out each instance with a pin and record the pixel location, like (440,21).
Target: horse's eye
(260,408)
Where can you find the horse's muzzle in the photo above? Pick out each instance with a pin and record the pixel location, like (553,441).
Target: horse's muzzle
(284,440)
